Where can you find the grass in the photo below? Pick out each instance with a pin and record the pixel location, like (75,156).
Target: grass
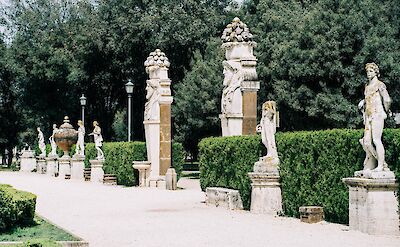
(40,230)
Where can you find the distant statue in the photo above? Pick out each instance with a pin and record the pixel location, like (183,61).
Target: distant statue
(152,108)
(98,140)
(375,108)
(231,102)
(42,145)
(80,144)
(52,142)
(267,127)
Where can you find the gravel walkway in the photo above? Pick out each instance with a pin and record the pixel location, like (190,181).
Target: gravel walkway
(120,216)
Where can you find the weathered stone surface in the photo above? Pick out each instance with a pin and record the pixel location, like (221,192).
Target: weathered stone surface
(144,172)
(311,214)
(266,195)
(165,138)
(249,112)
(374,174)
(373,206)
(77,168)
(41,165)
(171,179)
(222,197)
(64,164)
(28,161)
(52,166)
(96,172)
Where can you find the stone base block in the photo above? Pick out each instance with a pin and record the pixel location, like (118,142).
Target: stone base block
(374,174)
(52,166)
(64,167)
(222,197)
(311,214)
(144,172)
(28,164)
(231,124)
(77,168)
(373,206)
(41,165)
(170,179)
(266,195)
(96,172)
(158,182)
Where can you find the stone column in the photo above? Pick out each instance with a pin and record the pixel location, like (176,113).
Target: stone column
(41,164)
(157,117)
(28,161)
(239,99)
(373,204)
(64,164)
(96,172)
(77,167)
(52,166)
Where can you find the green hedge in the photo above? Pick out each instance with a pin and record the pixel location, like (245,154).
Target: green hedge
(119,157)
(312,166)
(16,207)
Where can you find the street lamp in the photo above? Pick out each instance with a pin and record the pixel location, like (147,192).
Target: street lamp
(129,90)
(83,104)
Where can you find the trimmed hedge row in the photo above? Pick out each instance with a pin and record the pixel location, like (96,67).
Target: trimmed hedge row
(16,207)
(119,157)
(313,164)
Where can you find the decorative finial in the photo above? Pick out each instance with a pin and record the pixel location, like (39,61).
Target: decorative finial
(237,31)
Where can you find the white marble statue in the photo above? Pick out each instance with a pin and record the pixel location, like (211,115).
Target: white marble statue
(267,127)
(52,142)
(98,140)
(80,144)
(152,107)
(231,102)
(375,108)
(42,145)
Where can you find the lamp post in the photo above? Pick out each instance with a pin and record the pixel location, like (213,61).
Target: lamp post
(83,104)
(129,90)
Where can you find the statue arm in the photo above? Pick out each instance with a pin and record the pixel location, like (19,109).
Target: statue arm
(386,100)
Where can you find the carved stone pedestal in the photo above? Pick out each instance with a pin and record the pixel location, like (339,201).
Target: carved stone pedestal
(28,161)
(64,164)
(170,179)
(373,205)
(144,172)
(97,172)
(77,167)
(266,195)
(41,164)
(52,166)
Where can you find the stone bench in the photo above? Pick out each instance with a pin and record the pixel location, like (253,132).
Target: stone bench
(222,197)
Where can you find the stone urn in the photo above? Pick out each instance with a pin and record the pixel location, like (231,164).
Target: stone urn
(66,136)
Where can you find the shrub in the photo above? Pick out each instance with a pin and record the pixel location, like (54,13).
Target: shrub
(119,157)
(16,207)
(312,166)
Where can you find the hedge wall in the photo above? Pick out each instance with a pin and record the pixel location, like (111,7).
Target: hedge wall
(312,166)
(119,157)
(16,207)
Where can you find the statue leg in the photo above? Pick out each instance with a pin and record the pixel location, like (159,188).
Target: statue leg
(377,129)
(366,143)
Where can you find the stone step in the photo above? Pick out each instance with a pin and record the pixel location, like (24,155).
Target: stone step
(110,179)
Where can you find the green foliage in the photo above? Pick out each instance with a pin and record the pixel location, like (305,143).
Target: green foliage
(312,166)
(41,243)
(198,97)
(16,207)
(119,157)
(120,127)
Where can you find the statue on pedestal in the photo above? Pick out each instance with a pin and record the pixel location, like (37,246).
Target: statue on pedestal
(80,144)
(375,108)
(152,107)
(52,142)
(98,140)
(42,145)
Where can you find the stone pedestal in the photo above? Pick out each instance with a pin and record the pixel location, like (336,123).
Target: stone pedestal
(311,214)
(52,166)
(170,179)
(97,172)
(41,164)
(152,131)
(158,182)
(373,205)
(232,124)
(77,167)
(266,195)
(144,172)
(64,167)
(28,161)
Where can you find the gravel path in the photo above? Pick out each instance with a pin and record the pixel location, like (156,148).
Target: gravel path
(120,216)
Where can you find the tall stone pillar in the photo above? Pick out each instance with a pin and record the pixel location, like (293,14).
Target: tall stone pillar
(239,97)
(157,117)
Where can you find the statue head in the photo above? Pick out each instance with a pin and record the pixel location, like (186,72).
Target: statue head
(38,129)
(95,124)
(372,70)
(269,109)
(80,123)
(54,126)
(151,88)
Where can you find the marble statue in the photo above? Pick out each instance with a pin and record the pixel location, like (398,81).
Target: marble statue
(267,127)
(152,107)
(42,145)
(98,140)
(52,142)
(80,144)
(375,108)
(231,102)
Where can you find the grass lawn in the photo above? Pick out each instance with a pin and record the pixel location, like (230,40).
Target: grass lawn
(41,229)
